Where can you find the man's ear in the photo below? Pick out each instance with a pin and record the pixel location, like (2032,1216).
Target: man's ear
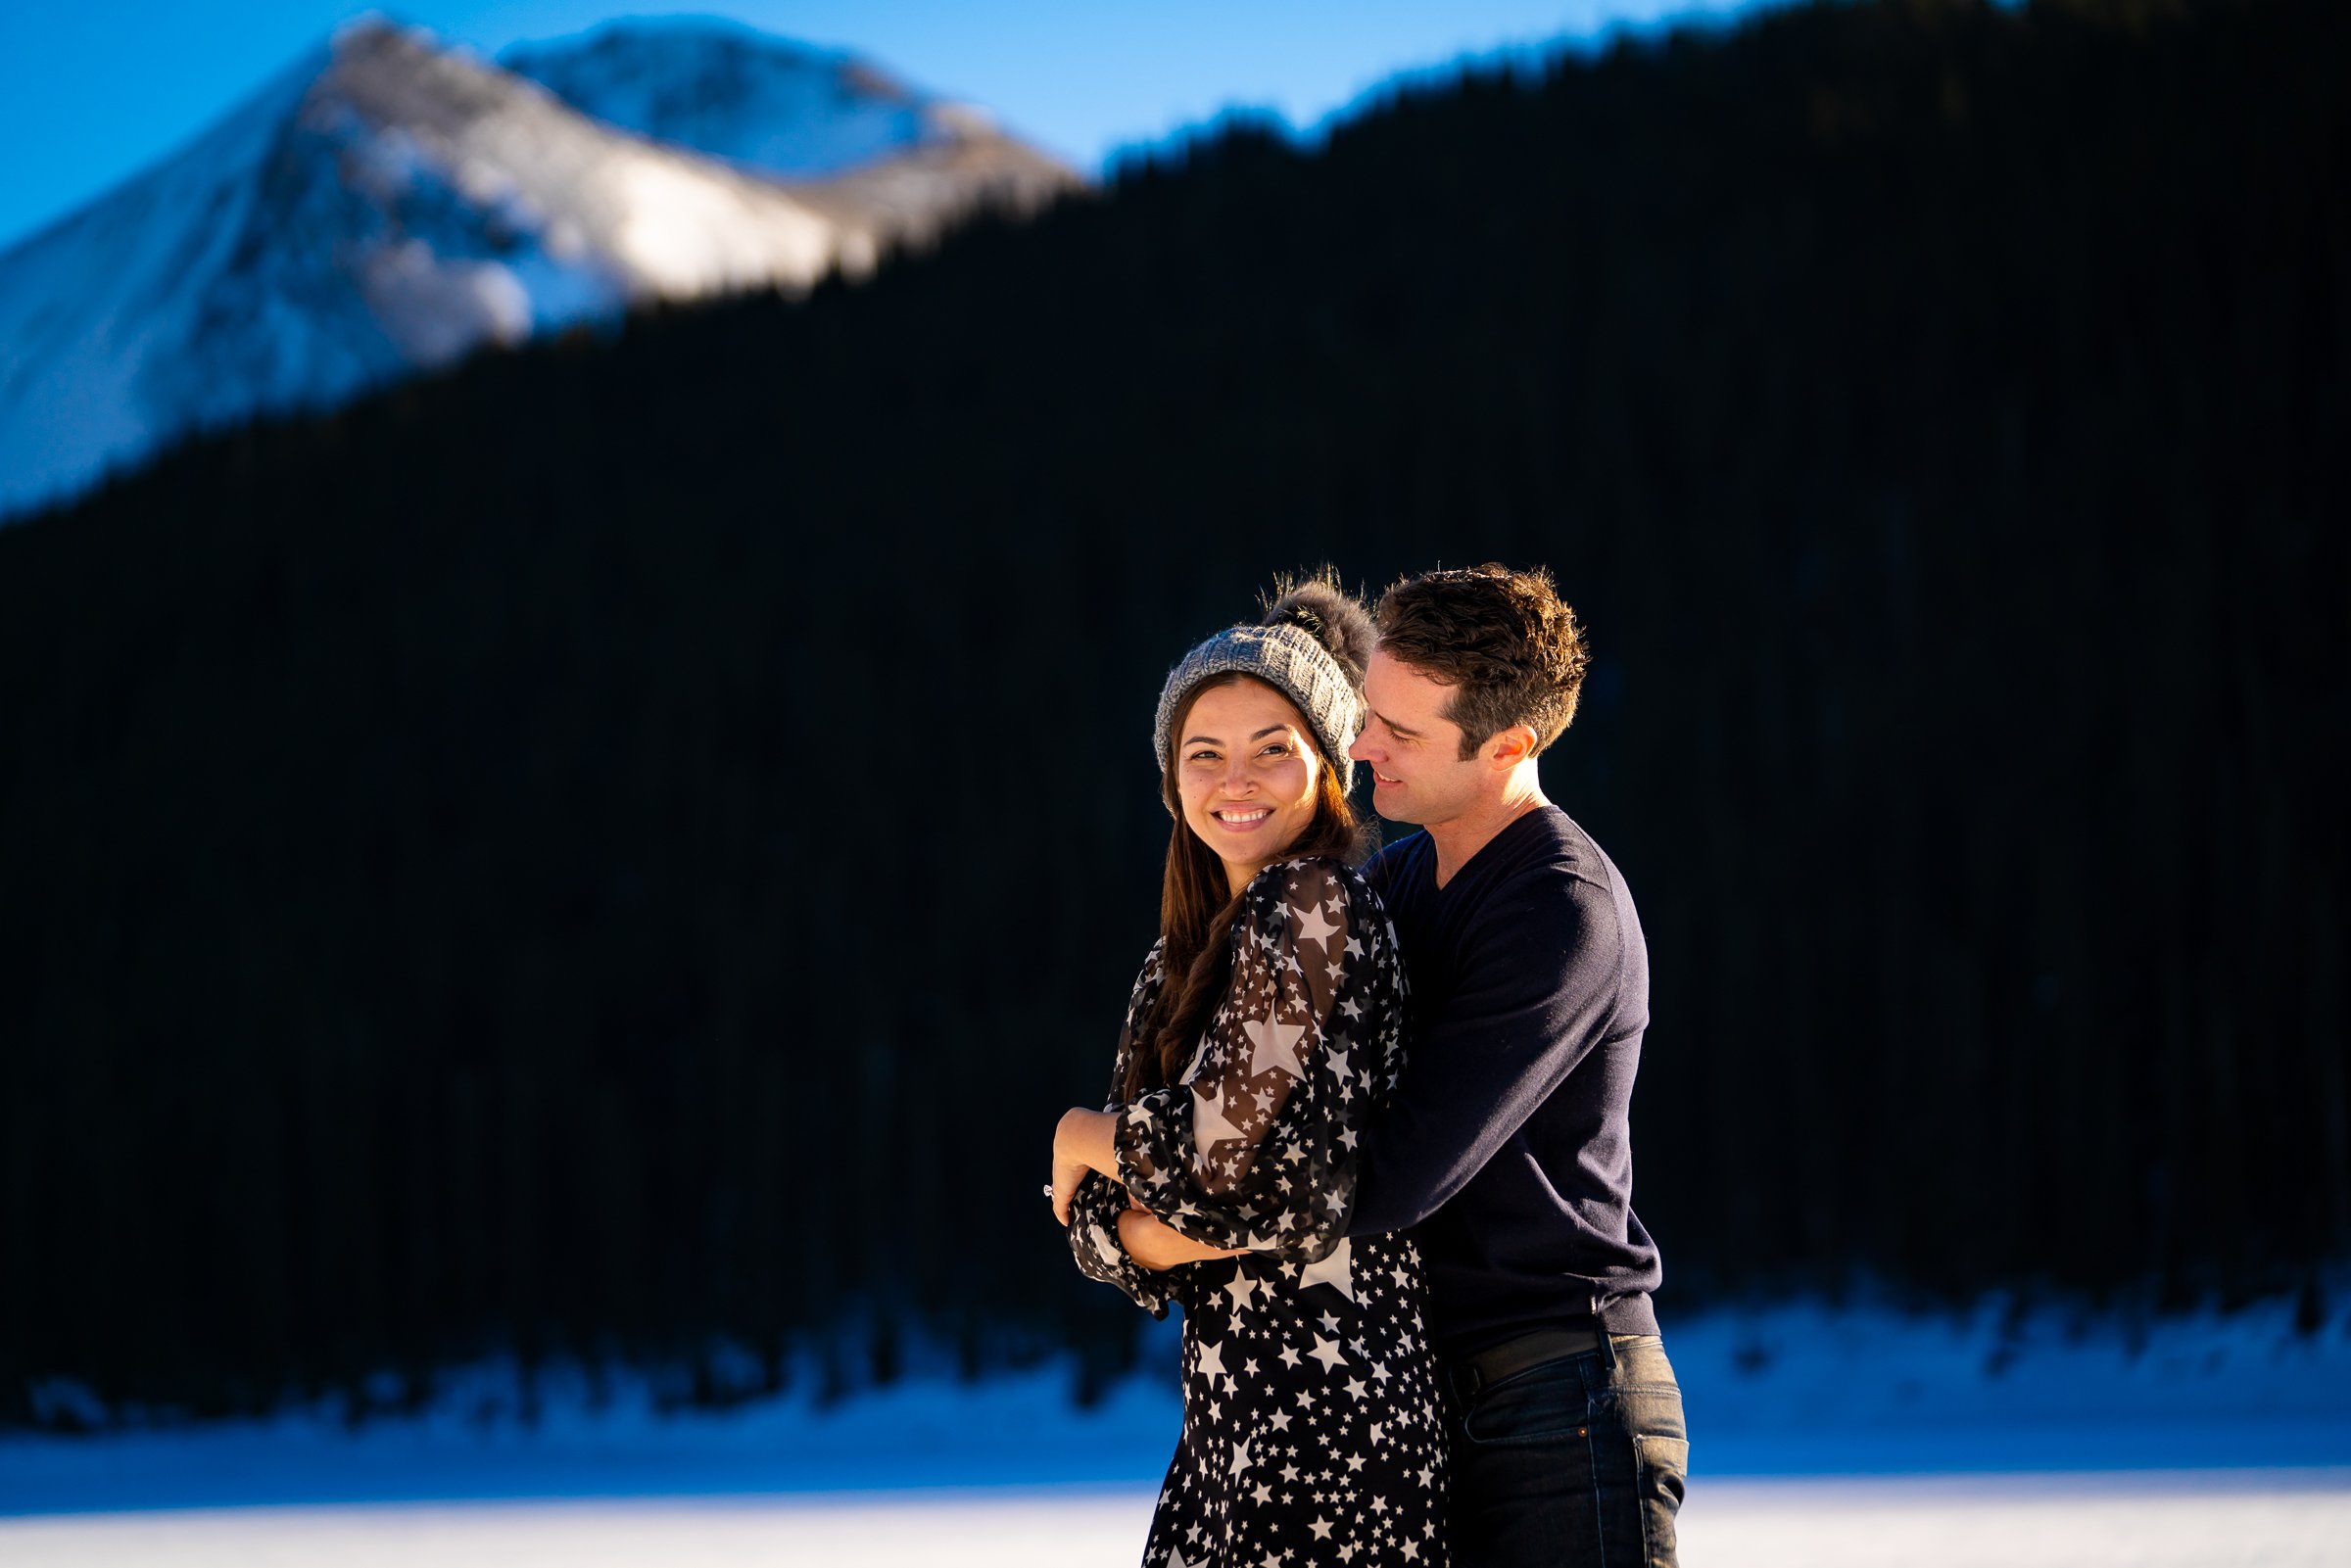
(1511,746)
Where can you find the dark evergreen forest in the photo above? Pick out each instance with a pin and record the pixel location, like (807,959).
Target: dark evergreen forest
(624,849)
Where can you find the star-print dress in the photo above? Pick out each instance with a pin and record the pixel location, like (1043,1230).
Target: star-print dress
(1310,1427)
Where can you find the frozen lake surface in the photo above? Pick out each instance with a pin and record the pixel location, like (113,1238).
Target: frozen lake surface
(2197,1519)
(1821,1436)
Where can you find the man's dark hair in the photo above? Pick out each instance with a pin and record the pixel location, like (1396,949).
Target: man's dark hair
(1501,640)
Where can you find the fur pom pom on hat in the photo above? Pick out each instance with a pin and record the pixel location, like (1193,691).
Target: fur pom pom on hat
(1312,646)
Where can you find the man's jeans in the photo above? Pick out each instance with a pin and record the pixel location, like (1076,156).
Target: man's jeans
(1580,1461)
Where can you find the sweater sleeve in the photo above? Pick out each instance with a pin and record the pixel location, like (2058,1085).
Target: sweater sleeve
(1257,1146)
(1538,993)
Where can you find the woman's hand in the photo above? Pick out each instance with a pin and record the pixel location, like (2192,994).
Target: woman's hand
(1083,1141)
(1158,1246)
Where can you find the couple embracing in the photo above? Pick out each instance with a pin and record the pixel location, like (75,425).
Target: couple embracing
(1367,1127)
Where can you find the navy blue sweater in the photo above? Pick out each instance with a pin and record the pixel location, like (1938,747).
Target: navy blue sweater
(1506,1147)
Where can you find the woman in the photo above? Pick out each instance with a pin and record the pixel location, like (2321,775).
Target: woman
(1262,1033)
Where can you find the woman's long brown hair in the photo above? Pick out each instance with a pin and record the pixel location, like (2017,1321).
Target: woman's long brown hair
(1196,911)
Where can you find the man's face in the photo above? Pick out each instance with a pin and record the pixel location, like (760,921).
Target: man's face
(1418,772)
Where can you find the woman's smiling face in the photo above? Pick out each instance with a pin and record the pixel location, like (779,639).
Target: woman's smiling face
(1245,769)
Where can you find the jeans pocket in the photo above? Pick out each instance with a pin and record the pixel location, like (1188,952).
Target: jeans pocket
(1540,1404)
(1648,1410)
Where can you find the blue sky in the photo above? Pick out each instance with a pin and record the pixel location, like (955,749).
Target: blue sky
(90,93)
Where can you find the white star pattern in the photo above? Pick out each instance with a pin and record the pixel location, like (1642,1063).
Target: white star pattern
(1273,1046)
(1313,927)
(1324,1447)
(1209,1126)
(1336,1271)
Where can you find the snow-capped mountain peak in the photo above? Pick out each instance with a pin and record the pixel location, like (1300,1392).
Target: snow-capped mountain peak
(834,129)
(768,104)
(387,205)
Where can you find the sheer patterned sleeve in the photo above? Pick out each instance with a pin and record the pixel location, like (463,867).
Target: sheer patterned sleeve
(1099,1200)
(1257,1147)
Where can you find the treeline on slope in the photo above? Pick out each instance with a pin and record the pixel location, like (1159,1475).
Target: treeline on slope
(623,850)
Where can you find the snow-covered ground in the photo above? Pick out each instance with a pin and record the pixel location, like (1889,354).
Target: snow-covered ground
(1820,1436)
(2156,1520)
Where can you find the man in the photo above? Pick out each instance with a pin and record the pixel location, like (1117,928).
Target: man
(1507,1149)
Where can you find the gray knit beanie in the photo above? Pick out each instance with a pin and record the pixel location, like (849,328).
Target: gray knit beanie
(1312,646)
